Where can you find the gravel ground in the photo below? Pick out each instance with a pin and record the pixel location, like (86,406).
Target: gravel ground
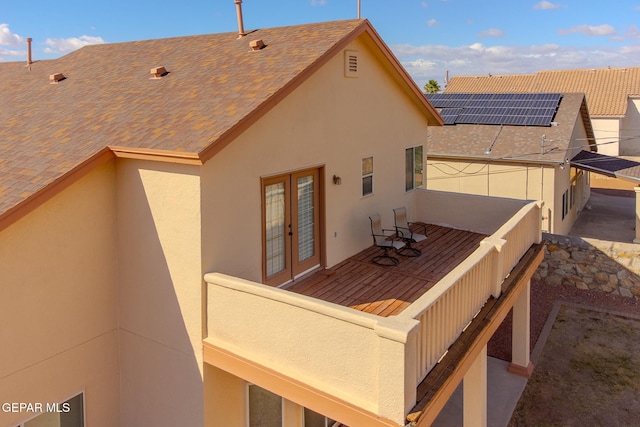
(543,296)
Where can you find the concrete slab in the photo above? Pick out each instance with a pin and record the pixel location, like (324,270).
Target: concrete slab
(609,215)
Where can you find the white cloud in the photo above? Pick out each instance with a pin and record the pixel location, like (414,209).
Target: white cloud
(432,22)
(491,32)
(69,44)
(425,4)
(433,61)
(7,38)
(589,30)
(546,5)
(318,2)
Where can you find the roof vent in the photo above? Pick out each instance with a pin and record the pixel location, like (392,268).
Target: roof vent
(257,44)
(57,77)
(158,72)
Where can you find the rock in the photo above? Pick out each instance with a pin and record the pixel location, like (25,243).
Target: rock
(601,277)
(560,254)
(625,292)
(613,280)
(578,255)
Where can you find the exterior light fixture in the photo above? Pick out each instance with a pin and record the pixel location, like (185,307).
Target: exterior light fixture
(337,180)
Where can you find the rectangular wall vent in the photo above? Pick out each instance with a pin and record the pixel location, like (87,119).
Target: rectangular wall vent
(351,63)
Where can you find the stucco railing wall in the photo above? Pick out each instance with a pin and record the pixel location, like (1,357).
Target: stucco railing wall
(355,356)
(481,214)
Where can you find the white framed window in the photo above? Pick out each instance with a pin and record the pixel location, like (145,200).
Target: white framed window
(367,176)
(69,413)
(266,410)
(414,168)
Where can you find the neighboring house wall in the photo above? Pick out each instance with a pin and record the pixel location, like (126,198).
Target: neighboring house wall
(160,293)
(607,133)
(512,180)
(58,302)
(630,129)
(364,116)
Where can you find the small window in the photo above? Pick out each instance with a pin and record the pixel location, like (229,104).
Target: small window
(367,176)
(265,408)
(351,63)
(565,203)
(414,168)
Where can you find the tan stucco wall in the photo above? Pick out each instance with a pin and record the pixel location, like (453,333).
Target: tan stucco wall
(607,133)
(159,293)
(630,129)
(58,314)
(330,121)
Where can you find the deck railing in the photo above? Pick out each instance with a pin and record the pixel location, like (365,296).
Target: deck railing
(373,362)
(447,308)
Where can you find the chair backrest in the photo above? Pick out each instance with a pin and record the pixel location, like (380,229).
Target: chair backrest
(400,217)
(376,229)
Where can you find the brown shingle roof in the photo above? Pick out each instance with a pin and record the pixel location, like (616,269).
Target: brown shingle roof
(607,89)
(513,143)
(216,85)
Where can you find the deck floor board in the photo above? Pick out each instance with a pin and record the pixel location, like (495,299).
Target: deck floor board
(385,291)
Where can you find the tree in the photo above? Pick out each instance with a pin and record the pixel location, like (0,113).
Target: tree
(432,87)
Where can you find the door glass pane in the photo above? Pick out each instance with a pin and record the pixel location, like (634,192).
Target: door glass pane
(265,408)
(275,227)
(306,231)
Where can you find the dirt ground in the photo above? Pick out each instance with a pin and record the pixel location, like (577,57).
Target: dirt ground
(588,373)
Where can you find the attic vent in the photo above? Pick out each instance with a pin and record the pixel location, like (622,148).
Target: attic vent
(158,72)
(351,63)
(57,77)
(257,44)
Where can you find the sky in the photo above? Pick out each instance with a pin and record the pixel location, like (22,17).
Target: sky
(431,38)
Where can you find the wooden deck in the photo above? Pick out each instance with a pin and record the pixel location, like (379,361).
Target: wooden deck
(386,291)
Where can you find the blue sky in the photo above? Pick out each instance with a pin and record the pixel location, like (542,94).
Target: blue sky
(431,37)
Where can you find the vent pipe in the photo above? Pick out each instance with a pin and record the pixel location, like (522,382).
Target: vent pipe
(241,32)
(358,9)
(29,57)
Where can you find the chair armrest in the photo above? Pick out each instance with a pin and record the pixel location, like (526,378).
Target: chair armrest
(420,224)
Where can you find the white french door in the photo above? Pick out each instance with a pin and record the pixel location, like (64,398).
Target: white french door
(291,225)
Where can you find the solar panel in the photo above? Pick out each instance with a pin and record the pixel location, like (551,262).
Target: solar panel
(515,109)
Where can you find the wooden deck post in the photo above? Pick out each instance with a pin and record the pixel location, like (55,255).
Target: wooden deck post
(521,331)
(475,392)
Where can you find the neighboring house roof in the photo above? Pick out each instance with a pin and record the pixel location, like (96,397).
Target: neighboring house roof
(108,105)
(513,143)
(607,89)
(615,167)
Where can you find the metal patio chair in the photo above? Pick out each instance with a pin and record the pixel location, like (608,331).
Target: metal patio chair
(386,242)
(403,231)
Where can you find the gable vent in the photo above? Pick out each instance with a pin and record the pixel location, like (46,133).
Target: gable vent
(57,77)
(351,63)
